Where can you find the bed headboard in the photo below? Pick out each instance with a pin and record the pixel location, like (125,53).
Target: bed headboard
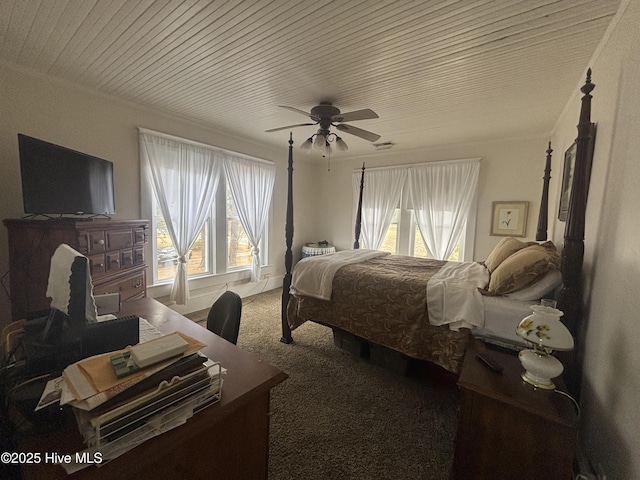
(570,295)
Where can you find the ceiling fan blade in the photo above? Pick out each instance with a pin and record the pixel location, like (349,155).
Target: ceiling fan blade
(358,132)
(289,126)
(297,110)
(364,114)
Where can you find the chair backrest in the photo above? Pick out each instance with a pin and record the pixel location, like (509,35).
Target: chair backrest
(224,316)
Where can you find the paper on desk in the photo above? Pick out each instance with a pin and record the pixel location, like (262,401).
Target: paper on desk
(148,331)
(62,393)
(94,377)
(51,394)
(164,420)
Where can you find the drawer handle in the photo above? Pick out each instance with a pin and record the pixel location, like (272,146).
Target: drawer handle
(138,284)
(100,242)
(99,265)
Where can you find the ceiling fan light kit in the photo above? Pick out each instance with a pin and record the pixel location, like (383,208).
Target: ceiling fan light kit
(326,115)
(320,140)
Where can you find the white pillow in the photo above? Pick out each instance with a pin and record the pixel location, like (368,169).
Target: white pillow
(547,283)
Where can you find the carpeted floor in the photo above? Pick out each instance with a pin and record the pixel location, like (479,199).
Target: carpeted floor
(344,418)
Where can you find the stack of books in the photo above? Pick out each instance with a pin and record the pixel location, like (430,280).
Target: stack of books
(121,399)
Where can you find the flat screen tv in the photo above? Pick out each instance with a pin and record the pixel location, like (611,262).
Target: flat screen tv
(58,180)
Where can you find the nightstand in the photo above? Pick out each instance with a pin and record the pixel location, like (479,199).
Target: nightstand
(507,428)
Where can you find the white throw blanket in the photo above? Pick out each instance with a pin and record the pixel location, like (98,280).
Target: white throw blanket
(313,276)
(453,298)
(58,288)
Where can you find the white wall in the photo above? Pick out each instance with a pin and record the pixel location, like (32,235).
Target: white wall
(105,127)
(510,169)
(610,425)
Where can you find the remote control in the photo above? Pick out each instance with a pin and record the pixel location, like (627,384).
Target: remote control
(489,362)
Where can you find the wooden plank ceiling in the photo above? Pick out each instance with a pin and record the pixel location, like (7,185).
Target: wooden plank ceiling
(436,72)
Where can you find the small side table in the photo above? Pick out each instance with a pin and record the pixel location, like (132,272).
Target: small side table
(313,250)
(507,428)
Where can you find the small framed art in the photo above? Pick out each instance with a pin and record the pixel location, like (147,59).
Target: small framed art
(567,173)
(509,219)
(567,180)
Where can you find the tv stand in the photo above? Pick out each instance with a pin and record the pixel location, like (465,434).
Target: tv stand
(115,250)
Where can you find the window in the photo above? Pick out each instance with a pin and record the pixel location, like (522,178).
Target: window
(167,257)
(404,238)
(238,244)
(390,242)
(423,210)
(224,229)
(420,249)
(218,202)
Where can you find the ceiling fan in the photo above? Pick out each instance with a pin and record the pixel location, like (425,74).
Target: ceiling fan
(325,116)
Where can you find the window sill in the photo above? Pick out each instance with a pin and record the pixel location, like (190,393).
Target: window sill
(203,290)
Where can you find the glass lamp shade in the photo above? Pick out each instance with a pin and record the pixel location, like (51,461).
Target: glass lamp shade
(546,332)
(341,145)
(306,145)
(320,141)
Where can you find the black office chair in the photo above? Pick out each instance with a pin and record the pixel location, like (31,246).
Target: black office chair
(224,316)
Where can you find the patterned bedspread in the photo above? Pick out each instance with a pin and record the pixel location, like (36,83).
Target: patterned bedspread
(383,300)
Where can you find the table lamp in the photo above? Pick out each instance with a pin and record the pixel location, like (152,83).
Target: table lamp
(546,332)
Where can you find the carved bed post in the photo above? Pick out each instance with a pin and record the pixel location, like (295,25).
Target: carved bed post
(288,256)
(356,244)
(541,232)
(570,295)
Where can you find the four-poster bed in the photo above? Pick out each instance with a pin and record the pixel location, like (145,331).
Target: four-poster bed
(390,308)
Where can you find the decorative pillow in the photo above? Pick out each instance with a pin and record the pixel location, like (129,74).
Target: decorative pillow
(504,249)
(540,288)
(554,255)
(521,269)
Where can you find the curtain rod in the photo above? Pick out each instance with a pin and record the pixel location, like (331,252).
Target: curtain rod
(409,165)
(202,145)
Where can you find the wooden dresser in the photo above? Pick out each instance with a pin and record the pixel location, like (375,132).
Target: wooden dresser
(115,250)
(509,429)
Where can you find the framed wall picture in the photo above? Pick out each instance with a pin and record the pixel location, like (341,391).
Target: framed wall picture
(567,180)
(509,219)
(567,173)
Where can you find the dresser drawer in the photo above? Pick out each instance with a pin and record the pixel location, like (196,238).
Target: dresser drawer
(138,255)
(91,241)
(131,286)
(122,238)
(97,265)
(113,261)
(126,258)
(140,236)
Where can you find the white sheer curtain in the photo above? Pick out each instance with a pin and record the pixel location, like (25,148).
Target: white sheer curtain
(251,184)
(442,195)
(184,178)
(380,198)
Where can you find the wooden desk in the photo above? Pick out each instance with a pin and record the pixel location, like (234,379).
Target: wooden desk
(227,440)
